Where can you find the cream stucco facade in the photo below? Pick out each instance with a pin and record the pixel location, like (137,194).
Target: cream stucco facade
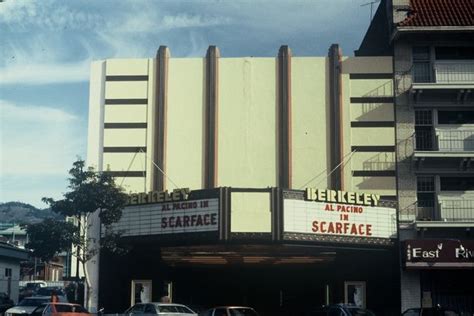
(123,102)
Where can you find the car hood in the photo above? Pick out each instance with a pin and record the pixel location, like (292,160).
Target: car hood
(21,309)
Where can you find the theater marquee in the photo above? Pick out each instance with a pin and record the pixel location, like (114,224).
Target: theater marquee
(178,217)
(339,213)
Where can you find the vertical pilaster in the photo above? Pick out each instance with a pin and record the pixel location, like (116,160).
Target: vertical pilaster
(284,117)
(211,111)
(335,113)
(159,118)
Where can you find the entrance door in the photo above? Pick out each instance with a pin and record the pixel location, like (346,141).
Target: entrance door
(270,290)
(140,291)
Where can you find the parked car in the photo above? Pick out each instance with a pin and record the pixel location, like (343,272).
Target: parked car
(431,311)
(50,290)
(31,288)
(60,309)
(341,310)
(27,305)
(162,309)
(5,302)
(230,311)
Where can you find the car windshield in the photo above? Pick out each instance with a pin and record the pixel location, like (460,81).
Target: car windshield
(44,291)
(33,301)
(242,312)
(70,309)
(360,312)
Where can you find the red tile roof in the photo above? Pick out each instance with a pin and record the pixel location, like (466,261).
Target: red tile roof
(440,13)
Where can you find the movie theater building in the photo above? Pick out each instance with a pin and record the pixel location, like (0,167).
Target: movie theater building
(267,182)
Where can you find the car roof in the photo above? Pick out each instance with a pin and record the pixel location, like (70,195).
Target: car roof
(161,304)
(38,297)
(230,306)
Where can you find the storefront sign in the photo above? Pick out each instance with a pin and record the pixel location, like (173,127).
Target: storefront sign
(342,197)
(158,196)
(339,219)
(439,253)
(170,218)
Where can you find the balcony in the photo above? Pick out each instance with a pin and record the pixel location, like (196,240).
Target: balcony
(453,212)
(444,149)
(444,72)
(445,139)
(443,81)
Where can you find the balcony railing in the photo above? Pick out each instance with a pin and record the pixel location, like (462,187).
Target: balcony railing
(446,71)
(444,211)
(457,210)
(444,140)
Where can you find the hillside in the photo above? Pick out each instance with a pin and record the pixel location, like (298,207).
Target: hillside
(22,213)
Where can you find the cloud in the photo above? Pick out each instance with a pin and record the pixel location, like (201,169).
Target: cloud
(11,112)
(53,15)
(189,21)
(38,140)
(45,73)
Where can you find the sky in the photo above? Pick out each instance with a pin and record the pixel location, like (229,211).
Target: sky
(46,48)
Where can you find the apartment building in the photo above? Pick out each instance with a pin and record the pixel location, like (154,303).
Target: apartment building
(432,44)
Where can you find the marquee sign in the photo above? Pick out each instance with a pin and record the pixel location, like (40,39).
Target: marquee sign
(439,253)
(343,214)
(178,217)
(158,196)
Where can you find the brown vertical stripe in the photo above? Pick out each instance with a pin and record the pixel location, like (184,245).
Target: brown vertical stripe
(284,117)
(159,117)
(211,111)
(336,116)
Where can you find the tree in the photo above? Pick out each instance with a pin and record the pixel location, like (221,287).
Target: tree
(90,194)
(51,236)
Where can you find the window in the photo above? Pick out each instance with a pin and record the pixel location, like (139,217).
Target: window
(457,183)
(220,312)
(456,117)
(412,312)
(48,310)
(423,117)
(242,312)
(425,184)
(138,309)
(421,53)
(425,191)
(184,310)
(150,309)
(421,64)
(454,53)
(424,130)
(168,309)
(8,272)
(38,311)
(425,187)
(62,308)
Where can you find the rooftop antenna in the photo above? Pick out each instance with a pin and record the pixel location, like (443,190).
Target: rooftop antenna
(372,3)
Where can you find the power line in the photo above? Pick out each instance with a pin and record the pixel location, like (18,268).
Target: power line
(161,170)
(325,170)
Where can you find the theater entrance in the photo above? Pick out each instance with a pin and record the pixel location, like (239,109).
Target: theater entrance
(290,281)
